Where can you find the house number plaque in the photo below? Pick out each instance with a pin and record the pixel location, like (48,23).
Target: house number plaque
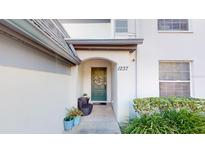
(122,68)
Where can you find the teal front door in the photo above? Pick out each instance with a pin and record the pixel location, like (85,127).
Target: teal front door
(98,84)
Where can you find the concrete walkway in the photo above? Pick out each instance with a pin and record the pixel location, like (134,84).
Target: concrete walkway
(100,121)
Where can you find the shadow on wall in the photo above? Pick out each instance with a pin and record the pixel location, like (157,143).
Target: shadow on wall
(19,55)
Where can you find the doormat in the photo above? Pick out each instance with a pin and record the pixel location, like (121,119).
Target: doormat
(100,103)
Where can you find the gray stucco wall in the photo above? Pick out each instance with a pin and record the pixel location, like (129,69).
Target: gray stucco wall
(35,89)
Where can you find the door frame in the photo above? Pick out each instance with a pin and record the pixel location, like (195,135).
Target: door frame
(105,88)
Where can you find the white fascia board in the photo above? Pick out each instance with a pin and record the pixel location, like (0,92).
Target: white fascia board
(105,41)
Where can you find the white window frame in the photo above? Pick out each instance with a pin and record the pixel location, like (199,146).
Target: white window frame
(190,81)
(116,27)
(190,28)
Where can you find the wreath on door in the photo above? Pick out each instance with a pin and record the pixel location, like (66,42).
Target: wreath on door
(98,80)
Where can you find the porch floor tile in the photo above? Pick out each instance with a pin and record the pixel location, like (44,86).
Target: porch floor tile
(101,121)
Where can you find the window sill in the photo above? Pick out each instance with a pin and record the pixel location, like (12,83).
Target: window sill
(125,34)
(159,31)
(121,33)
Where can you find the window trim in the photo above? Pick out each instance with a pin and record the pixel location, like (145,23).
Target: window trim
(190,28)
(185,81)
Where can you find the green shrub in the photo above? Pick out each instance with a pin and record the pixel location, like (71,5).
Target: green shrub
(167,122)
(152,105)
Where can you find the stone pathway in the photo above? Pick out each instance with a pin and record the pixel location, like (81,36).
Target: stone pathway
(101,121)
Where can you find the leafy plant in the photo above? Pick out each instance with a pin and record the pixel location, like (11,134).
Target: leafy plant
(85,95)
(166,122)
(74,112)
(152,105)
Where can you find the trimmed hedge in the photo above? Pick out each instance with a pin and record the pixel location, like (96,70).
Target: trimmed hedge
(167,115)
(152,105)
(167,122)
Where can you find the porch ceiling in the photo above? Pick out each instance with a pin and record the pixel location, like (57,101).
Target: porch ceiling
(105,44)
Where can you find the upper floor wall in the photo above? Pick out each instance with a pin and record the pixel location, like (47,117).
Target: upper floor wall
(100,28)
(148,29)
(176,41)
(88,28)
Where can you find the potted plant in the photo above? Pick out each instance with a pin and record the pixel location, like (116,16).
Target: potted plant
(86,95)
(68,122)
(76,114)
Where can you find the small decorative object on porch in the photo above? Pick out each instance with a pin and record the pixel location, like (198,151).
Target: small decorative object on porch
(76,113)
(86,95)
(84,105)
(68,123)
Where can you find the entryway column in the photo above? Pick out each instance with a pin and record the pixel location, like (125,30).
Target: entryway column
(123,92)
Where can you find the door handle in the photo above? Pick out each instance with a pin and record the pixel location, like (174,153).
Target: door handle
(105,84)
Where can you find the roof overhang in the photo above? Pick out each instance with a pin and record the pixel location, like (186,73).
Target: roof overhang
(41,35)
(105,44)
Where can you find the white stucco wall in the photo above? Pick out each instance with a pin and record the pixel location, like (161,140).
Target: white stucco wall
(169,46)
(157,46)
(88,30)
(114,87)
(122,92)
(34,89)
(80,91)
(143,78)
(99,30)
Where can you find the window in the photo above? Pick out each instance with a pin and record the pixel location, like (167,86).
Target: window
(174,79)
(173,24)
(121,26)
